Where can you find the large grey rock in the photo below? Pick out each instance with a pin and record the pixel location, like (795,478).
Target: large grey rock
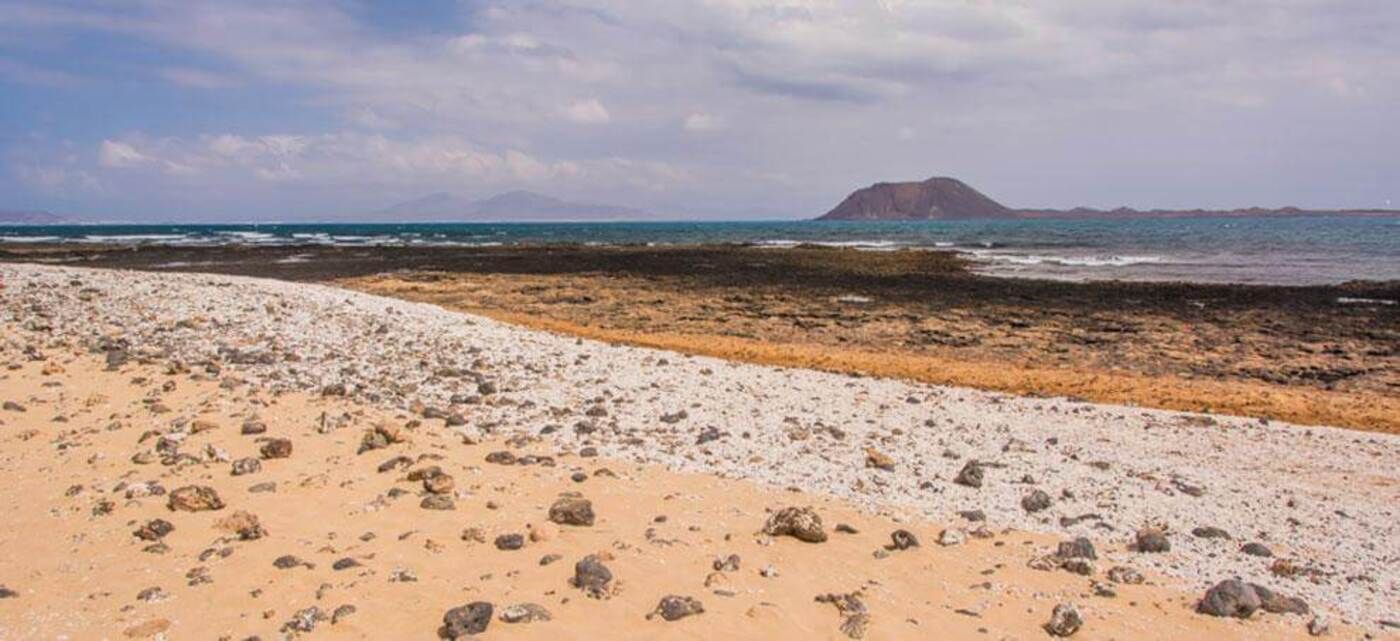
(1230,598)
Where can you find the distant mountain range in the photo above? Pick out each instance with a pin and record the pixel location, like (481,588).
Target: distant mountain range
(943,198)
(513,206)
(11,217)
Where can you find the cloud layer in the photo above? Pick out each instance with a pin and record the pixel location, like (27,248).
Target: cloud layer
(711,106)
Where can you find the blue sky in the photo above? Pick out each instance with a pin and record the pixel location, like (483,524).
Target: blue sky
(194,109)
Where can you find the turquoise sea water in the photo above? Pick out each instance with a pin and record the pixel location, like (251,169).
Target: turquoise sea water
(1312,250)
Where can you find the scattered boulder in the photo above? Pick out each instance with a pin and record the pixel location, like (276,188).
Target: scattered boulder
(594,578)
(438,502)
(951,537)
(154,530)
(855,616)
(903,540)
(524,613)
(572,510)
(380,436)
(288,561)
(970,475)
(1256,549)
(439,483)
(801,523)
(1210,532)
(727,564)
(195,498)
(1036,501)
(247,465)
(1319,626)
(276,448)
(1078,548)
(503,457)
(510,542)
(673,607)
(1064,620)
(242,524)
(1230,598)
(461,622)
(343,612)
(1152,540)
(1275,603)
(878,460)
(304,620)
(1125,575)
(396,463)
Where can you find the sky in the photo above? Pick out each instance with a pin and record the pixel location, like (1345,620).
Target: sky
(287,109)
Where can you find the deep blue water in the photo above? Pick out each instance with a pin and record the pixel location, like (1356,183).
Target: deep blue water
(1246,250)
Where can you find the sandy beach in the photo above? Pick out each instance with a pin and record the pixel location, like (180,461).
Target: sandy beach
(122,387)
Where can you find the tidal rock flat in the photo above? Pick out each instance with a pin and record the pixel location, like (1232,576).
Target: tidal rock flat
(222,457)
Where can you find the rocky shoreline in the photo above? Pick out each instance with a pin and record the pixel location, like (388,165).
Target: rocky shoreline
(1305,355)
(1305,511)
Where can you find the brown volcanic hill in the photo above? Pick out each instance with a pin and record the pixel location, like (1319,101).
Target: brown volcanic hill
(933,199)
(942,198)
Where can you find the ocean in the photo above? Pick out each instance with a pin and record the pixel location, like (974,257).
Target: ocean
(1283,251)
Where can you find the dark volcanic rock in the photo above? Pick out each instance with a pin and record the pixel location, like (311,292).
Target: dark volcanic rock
(726,564)
(438,502)
(903,540)
(970,475)
(1276,603)
(1079,548)
(1064,621)
(572,510)
(154,530)
(510,542)
(1231,598)
(673,607)
(246,465)
(1256,549)
(591,576)
(464,621)
(1036,501)
(276,448)
(1152,540)
(1210,532)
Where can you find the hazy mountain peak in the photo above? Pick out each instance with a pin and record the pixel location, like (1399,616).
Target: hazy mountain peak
(516,205)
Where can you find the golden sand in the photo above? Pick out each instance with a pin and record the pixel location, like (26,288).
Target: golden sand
(77,573)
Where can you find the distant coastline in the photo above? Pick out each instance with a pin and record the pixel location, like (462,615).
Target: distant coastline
(945,198)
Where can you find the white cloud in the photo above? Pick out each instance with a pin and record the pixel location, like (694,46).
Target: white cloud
(701,122)
(588,112)
(357,160)
(114,154)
